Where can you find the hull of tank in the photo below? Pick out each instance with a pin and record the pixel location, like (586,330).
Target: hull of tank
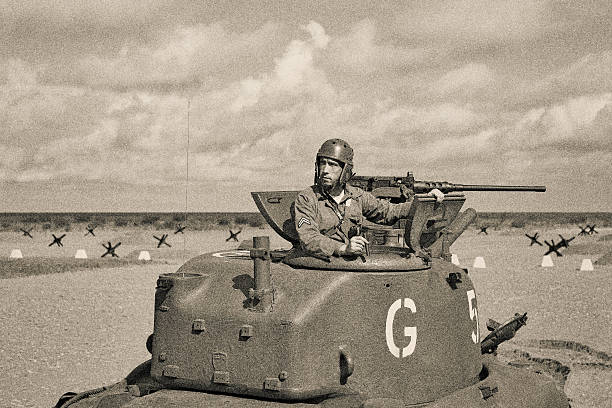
(460,377)
(503,386)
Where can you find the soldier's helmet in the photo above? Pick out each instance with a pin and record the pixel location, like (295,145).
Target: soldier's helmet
(340,150)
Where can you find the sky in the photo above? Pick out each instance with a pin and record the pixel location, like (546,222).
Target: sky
(175,105)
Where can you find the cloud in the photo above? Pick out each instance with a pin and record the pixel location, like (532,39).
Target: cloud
(576,124)
(33,115)
(258,107)
(480,21)
(66,13)
(319,38)
(185,56)
(261,104)
(296,65)
(536,145)
(139,136)
(247,95)
(17,75)
(589,74)
(360,52)
(472,145)
(51,132)
(423,124)
(465,79)
(11,159)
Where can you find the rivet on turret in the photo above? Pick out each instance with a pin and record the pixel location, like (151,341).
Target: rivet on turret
(246,332)
(171,371)
(221,377)
(198,326)
(272,384)
(283,375)
(162,357)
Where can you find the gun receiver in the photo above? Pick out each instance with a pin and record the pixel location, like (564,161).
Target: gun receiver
(391,186)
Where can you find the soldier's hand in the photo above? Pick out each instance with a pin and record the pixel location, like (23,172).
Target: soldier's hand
(437,194)
(356,245)
(406,192)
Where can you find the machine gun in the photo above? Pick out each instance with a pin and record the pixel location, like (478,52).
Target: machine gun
(501,332)
(396,187)
(428,230)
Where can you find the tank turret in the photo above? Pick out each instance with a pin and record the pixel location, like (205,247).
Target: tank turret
(266,328)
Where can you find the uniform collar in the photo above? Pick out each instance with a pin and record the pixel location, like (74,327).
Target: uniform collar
(349,192)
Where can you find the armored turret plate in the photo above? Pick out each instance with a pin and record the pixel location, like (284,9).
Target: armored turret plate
(380,259)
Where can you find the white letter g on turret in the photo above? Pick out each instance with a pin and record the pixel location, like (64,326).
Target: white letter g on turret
(410,332)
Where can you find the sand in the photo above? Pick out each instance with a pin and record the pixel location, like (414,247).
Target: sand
(87,328)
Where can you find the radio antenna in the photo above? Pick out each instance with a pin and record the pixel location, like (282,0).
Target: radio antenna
(186,182)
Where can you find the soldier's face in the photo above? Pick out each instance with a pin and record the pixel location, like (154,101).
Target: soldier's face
(330,171)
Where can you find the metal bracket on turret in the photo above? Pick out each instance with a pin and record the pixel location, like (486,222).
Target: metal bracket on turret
(258,253)
(430,227)
(421,212)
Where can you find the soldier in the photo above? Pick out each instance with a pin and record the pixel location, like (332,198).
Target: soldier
(325,212)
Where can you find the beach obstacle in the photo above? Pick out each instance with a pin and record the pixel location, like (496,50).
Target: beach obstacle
(144,256)
(479,262)
(16,254)
(586,265)
(80,254)
(455,259)
(547,261)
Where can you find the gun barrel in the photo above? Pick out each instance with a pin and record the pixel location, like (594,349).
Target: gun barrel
(445,187)
(476,187)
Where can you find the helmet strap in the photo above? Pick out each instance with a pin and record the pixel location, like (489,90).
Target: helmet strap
(347,173)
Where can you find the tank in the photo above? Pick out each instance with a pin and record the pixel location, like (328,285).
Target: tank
(396,327)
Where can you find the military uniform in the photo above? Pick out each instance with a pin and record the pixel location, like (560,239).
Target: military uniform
(323,226)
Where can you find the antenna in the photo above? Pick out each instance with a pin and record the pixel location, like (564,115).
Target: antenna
(186,182)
